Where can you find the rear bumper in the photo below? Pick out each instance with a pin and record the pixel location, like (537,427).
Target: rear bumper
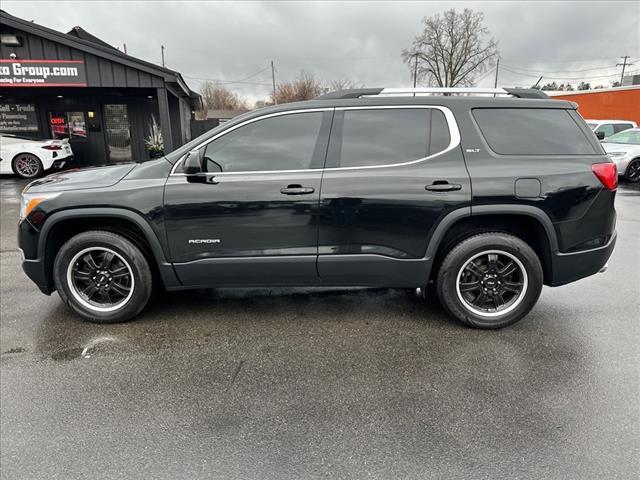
(61,162)
(569,267)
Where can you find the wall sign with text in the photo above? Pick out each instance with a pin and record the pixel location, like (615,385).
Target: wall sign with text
(42,73)
(18,117)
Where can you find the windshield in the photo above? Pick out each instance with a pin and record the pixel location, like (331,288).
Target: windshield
(592,125)
(631,137)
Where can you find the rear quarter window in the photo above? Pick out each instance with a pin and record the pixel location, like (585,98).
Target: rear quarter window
(532,131)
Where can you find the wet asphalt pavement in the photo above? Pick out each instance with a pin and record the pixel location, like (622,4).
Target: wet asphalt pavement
(297,383)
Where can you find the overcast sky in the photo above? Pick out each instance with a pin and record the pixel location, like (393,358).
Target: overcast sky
(362,41)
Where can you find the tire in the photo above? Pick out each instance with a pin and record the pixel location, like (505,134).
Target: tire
(92,263)
(505,270)
(27,165)
(632,174)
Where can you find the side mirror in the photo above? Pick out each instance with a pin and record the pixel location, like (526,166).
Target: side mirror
(192,163)
(600,135)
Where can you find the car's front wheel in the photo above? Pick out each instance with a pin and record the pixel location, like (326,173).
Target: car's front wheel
(102,276)
(490,280)
(27,165)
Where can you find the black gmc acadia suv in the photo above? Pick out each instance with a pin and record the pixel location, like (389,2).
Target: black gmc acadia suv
(483,197)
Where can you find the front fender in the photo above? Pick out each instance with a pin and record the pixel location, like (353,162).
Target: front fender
(166,269)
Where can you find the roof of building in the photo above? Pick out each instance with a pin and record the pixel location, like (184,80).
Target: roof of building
(80,32)
(82,40)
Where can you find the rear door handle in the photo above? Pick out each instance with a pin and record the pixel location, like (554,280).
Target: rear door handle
(443,187)
(297,190)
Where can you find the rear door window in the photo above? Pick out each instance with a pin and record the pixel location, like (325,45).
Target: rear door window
(621,127)
(532,131)
(373,137)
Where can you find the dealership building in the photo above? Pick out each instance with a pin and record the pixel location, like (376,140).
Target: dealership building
(112,107)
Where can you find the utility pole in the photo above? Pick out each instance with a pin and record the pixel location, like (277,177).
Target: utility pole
(538,82)
(624,65)
(415,70)
(125,48)
(495,82)
(162,51)
(273,81)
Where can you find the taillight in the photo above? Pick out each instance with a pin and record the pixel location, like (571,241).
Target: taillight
(607,173)
(52,147)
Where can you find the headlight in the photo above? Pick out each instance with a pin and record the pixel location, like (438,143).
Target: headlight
(29,201)
(617,154)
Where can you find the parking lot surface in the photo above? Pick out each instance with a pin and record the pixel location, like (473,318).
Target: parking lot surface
(333,383)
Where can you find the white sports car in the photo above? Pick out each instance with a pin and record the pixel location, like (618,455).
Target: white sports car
(29,158)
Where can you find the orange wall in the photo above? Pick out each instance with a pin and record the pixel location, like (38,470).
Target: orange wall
(620,105)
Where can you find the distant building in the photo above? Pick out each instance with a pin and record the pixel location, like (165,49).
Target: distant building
(630,80)
(74,85)
(616,103)
(223,115)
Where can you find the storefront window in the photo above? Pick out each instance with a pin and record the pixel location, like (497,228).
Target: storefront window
(18,118)
(68,125)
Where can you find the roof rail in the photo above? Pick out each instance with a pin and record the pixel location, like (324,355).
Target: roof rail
(368,92)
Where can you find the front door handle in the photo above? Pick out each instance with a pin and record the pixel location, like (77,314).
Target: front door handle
(297,190)
(443,187)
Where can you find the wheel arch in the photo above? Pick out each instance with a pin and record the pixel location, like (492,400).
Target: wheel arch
(529,223)
(63,225)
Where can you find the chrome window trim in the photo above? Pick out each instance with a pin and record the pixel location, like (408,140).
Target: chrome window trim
(454,142)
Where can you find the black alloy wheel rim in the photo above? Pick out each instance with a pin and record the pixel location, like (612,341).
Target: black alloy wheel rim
(492,283)
(634,171)
(101,278)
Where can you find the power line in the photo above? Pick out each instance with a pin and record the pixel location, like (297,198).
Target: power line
(221,81)
(560,61)
(560,71)
(561,77)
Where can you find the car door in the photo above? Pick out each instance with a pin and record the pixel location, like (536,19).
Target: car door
(254,218)
(391,174)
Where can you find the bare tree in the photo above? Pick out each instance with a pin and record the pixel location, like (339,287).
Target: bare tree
(217,97)
(453,49)
(344,84)
(305,87)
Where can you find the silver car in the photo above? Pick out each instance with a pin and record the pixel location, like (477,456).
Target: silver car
(624,150)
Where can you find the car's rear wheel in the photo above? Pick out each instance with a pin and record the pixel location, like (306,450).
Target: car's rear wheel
(103,277)
(632,174)
(27,165)
(490,280)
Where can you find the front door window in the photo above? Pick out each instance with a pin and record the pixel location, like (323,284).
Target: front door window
(116,120)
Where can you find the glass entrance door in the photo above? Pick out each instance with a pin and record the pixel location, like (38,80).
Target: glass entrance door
(118,129)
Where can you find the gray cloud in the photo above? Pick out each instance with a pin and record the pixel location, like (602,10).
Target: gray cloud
(567,41)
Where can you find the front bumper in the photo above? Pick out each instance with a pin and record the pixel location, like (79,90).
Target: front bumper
(36,272)
(569,267)
(33,262)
